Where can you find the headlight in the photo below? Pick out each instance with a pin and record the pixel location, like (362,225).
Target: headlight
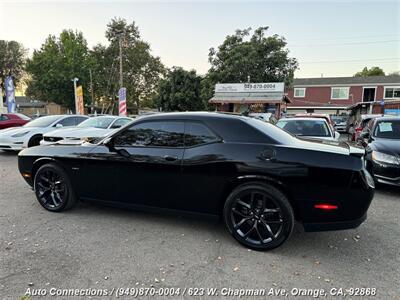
(385,158)
(19,134)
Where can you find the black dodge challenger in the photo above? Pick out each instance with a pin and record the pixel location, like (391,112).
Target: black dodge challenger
(259,178)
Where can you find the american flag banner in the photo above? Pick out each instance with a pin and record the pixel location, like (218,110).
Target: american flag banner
(122,102)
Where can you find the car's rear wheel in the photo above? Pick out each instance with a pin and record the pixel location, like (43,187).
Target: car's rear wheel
(259,216)
(53,188)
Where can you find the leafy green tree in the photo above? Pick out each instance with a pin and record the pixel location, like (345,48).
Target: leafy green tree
(374,71)
(53,66)
(141,70)
(180,91)
(263,58)
(12,61)
(243,56)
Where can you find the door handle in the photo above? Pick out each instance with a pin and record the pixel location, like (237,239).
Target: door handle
(170,157)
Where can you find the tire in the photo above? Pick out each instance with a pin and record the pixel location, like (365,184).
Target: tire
(34,141)
(259,216)
(53,188)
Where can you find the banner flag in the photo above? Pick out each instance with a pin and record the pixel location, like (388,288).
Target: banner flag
(122,102)
(10,94)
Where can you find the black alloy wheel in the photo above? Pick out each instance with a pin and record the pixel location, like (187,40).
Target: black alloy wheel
(53,188)
(259,216)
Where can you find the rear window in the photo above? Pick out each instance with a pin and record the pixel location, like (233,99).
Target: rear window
(272,131)
(23,117)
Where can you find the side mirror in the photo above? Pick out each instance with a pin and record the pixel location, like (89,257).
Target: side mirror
(364,135)
(337,135)
(59,125)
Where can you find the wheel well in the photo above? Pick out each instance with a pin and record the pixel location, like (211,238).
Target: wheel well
(232,185)
(33,137)
(37,164)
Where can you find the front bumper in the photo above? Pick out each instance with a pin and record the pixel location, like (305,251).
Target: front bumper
(10,144)
(386,173)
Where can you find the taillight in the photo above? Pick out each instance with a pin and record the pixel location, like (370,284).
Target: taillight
(326,206)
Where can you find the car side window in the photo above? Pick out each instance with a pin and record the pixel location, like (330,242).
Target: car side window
(79,120)
(168,134)
(197,134)
(120,122)
(70,121)
(3,118)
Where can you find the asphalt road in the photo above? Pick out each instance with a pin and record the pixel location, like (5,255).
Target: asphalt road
(99,247)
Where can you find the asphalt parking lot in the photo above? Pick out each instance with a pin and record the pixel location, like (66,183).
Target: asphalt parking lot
(93,246)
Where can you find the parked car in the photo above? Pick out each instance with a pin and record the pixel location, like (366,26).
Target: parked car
(267,117)
(311,128)
(382,140)
(359,126)
(31,133)
(94,127)
(252,173)
(13,120)
(340,123)
(327,117)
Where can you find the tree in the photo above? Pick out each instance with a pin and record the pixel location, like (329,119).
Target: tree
(263,58)
(180,91)
(141,70)
(53,66)
(374,71)
(12,61)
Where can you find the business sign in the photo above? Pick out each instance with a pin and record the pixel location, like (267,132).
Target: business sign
(80,110)
(250,87)
(392,111)
(10,94)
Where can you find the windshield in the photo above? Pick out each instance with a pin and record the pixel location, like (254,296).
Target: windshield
(317,128)
(97,122)
(42,121)
(338,119)
(387,129)
(272,131)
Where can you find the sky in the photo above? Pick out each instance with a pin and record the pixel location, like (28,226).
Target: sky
(328,38)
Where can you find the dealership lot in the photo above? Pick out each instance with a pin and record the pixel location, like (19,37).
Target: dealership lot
(93,246)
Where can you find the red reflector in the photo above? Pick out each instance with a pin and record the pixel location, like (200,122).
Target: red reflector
(326,206)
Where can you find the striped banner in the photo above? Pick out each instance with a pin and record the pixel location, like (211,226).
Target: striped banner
(122,102)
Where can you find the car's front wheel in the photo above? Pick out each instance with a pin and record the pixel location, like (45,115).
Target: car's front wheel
(259,216)
(53,188)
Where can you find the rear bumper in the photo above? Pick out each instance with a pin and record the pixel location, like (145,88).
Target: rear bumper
(310,227)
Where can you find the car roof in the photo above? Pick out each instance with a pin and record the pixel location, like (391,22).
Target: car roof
(387,118)
(312,115)
(303,119)
(201,115)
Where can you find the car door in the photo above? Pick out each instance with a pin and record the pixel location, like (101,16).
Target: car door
(148,163)
(204,169)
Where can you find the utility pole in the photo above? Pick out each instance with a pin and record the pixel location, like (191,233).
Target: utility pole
(120,61)
(91,90)
(76,95)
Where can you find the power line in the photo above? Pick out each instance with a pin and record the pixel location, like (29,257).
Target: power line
(352,60)
(349,37)
(345,44)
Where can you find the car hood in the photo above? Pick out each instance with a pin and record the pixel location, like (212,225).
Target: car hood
(78,132)
(386,146)
(14,130)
